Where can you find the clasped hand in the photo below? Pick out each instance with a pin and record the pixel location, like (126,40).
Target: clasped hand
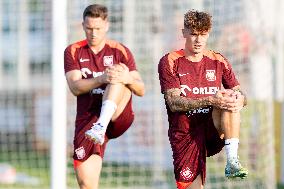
(229,100)
(118,73)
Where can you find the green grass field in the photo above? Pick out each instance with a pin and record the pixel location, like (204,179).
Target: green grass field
(114,175)
(37,164)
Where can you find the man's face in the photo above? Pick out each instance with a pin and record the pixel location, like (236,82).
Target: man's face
(95,30)
(195,41)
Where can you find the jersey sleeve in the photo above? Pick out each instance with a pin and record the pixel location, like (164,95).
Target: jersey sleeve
(228,78)
(69,60)
(128,59)
(168,78)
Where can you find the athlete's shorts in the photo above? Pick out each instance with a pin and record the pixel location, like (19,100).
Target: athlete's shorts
(191,142)
(84,148)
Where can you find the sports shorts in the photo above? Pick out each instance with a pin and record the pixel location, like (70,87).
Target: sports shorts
(192,141)
(84,148)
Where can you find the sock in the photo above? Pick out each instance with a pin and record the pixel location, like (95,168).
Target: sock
(231,148)
(107,111)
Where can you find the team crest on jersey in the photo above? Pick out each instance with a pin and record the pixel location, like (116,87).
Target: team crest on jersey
(80,152)
(186,173)
(108,60)
(210,75)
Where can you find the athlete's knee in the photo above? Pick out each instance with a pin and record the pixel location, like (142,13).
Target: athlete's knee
(86,184)
(197,183)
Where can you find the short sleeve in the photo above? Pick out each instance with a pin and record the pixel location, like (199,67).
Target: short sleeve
(228,78)
(69,60)
(167,75)
(128,59)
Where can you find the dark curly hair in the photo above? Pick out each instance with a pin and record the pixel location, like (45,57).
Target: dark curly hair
(197,21)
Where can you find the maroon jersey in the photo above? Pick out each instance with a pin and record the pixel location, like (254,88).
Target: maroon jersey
(79,56)
(195,79)
(192,134)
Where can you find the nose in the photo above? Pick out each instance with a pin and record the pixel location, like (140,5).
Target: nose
(198,37)
(94,33)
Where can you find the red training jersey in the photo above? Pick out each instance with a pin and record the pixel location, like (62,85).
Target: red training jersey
(79,56)
(195,79)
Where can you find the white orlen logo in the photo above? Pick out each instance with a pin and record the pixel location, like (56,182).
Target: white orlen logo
(186,173)
(108,60)
(198,90)
(85,72)
(210,75)
(84,60)
(183,87)
(80,152)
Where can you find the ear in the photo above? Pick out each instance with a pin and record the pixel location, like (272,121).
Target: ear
(183,33)
(83,25)
(208,33)
(107,25)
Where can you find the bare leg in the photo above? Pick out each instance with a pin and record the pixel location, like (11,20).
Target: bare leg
(227,123)
(197,183)
(230,122)
(228,126)
(115,98)
(119,94)
(216,115)
(88,172)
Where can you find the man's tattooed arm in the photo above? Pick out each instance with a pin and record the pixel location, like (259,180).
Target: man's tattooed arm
(178,103)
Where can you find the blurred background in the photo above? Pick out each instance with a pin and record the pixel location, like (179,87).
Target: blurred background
(249,33)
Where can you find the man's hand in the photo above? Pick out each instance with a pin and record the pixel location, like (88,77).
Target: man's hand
(118,73)
(122,75)
(240,101)
(228,100)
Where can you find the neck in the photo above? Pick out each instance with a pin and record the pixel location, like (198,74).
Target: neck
(193,57)
(97,48)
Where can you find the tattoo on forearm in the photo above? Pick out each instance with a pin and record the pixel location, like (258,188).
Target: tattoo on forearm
(178,103)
